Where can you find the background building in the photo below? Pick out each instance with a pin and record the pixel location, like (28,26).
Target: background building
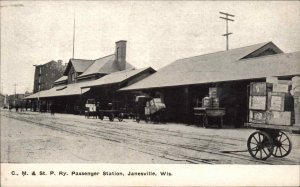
(46,74)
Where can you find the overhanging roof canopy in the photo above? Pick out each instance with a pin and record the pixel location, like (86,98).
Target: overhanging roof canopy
(116,77)
(59,91)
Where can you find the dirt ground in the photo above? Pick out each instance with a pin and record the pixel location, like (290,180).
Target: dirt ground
(31,137)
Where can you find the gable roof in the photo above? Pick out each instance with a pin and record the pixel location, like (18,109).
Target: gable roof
(118,77)
(80,65)
(63,78)
(104,65)
(222,66)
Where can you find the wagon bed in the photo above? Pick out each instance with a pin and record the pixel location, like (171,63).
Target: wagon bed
(269,126)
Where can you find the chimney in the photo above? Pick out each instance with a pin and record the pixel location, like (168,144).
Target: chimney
(59,62)
(121,54)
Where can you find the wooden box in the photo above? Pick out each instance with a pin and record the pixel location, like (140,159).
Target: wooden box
(215,92)
(215,102)
(272,80)
(297,110)
(147,111)
(279,118)
(284,88)
(256,116)
(258,102)
(280,102)
(260,88)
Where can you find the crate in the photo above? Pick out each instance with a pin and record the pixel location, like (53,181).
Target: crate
(256,116)
(287,82)
(258,102)
(272,80)
(297,110)
(215,102)
(207,102)
(283,88)
(260,88)
(279,118)
(147,111)
(280,102)
(214,92)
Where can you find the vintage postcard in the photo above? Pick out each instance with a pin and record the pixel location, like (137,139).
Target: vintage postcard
(150,93)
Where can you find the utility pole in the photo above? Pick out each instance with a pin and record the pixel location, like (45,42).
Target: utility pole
(73,36)
(227,33)
(15,85)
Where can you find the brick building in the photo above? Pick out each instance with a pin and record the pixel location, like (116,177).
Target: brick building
(46,74)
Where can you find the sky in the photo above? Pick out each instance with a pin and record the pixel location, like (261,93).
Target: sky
(157,32)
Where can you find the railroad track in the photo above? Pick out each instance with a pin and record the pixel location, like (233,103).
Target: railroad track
(163,143)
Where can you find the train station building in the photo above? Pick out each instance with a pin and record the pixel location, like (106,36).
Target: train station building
(183,83)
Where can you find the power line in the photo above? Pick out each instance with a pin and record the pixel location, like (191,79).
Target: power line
(227,33)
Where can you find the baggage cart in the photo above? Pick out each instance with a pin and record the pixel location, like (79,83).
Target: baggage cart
(270,140)
(206,113)
(112,111)
(90,108)
(149,109)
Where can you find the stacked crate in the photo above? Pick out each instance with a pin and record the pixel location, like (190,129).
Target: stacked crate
(271,103)
(296,93)
(212,101)
(258,102)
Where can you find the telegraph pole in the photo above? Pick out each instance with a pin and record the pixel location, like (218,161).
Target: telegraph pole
(227,33)
(15,85)
(73,36)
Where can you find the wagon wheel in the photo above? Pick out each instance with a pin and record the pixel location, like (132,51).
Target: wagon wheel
(120,117)
(260,145)
(205,121)
(147,118)
(101,116)
(138,119)
(111,117)
(282,145)
(156,118)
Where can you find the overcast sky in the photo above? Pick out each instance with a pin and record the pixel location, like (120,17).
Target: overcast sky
(157,33)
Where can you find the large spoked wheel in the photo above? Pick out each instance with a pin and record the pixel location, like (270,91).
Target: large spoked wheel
(260,145)
(282,145)
(147,118)
(111,117)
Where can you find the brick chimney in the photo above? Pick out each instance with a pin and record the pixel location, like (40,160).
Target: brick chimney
(121,54)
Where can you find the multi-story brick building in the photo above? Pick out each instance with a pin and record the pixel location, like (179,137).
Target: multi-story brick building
(46,74)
